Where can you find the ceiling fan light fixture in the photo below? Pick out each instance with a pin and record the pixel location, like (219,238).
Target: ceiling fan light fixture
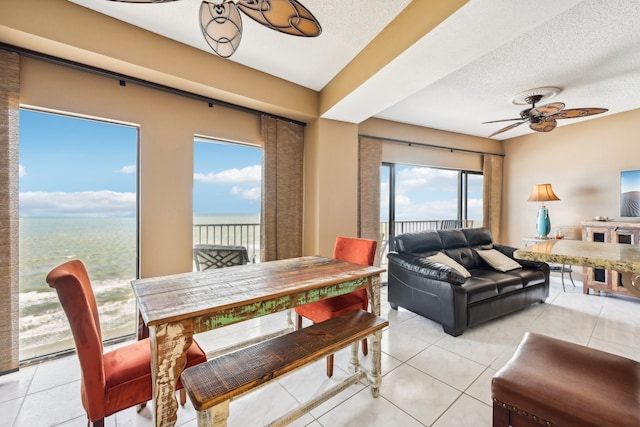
(543,118)
(537,94)
(221,26)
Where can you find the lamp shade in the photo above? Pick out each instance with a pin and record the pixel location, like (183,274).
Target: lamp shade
(542,193)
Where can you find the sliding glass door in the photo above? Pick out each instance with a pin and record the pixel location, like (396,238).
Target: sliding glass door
(415,198)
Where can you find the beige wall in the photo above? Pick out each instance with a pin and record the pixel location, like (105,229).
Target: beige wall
(582,161)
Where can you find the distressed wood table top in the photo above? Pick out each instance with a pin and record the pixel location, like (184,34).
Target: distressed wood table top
(185,296)
(177,306)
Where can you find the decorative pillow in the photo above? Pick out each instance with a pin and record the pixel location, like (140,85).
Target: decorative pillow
(498,260)
(443,259)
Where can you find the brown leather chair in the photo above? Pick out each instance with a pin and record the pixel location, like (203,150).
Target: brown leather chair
(359,251)
(551,382)
(110,381)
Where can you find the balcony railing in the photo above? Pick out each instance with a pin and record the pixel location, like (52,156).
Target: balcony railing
(247,235)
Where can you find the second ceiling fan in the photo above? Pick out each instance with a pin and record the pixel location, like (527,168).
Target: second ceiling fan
(543,118)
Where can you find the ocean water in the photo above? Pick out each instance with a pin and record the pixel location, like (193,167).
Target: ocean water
(107,247)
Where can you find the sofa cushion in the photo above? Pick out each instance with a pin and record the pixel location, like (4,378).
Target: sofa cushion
(478,238)
(463,256)
(498,260)
(528,276)
(503,282)
(421,243)
(444,259)
(452,239)
(479,289)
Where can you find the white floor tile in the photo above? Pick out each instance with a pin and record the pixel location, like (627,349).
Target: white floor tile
(429,378)
(418,394)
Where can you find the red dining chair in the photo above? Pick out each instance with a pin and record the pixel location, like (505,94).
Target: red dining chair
(356,250)
(111,381)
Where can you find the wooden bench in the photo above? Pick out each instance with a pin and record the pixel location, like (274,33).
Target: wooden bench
(211,385)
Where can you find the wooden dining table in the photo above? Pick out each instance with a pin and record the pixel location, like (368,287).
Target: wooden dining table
(176,307)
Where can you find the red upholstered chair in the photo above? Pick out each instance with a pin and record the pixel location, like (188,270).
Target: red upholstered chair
(111,381)
(359,251)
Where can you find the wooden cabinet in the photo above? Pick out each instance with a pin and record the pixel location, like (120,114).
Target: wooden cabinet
(600,279)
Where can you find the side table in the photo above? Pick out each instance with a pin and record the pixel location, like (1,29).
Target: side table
(559,268)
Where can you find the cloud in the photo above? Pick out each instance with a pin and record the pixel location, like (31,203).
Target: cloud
(92,204)
(21,171)
(249,174)
(128,169)
(246,175)
(427,178)
(253,194)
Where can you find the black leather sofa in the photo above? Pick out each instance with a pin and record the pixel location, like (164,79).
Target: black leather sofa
(442,294)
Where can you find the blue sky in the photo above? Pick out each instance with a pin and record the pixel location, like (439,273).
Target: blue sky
(424,193)
(72,167)
(227,179)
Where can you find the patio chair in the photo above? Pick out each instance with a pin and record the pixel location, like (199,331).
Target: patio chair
(218,256)
(449,224)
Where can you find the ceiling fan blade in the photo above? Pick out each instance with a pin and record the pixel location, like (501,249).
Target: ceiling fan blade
(285,16)
(504,129)
(142,1)
(221,27)
(504,120)
(546,110)
(578,112)
(546,125)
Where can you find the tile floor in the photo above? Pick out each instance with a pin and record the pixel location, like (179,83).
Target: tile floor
(430,378)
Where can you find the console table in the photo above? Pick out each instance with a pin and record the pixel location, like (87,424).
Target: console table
(610,256)
(621,232)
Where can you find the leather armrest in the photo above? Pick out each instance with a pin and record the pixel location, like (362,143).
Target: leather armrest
(426,268)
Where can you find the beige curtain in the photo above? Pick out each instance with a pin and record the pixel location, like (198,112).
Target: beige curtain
(369,161)
(282,189)
(9,127)
(492,194)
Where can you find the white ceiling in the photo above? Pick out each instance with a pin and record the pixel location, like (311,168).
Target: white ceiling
(465,72)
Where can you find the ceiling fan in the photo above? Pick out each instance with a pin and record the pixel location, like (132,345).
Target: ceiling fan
(221,24)
(543,118)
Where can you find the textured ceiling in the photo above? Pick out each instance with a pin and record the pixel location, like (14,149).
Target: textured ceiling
(464,72)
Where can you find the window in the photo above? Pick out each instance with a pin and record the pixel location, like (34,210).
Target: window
(227,194)
(415,198)
(77,201)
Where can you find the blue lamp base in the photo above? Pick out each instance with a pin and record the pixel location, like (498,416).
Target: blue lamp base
(543,224)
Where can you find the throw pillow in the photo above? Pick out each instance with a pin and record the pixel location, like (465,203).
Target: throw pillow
(498,260)
(443,259)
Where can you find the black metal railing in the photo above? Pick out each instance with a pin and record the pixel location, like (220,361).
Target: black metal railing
(248,235)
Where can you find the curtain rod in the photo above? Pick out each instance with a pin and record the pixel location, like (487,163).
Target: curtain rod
(424,144)
(123,78)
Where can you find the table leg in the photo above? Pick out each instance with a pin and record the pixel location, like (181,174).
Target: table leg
(169,345)
(376,376)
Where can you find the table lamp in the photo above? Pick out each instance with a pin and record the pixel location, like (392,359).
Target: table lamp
(542,193)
